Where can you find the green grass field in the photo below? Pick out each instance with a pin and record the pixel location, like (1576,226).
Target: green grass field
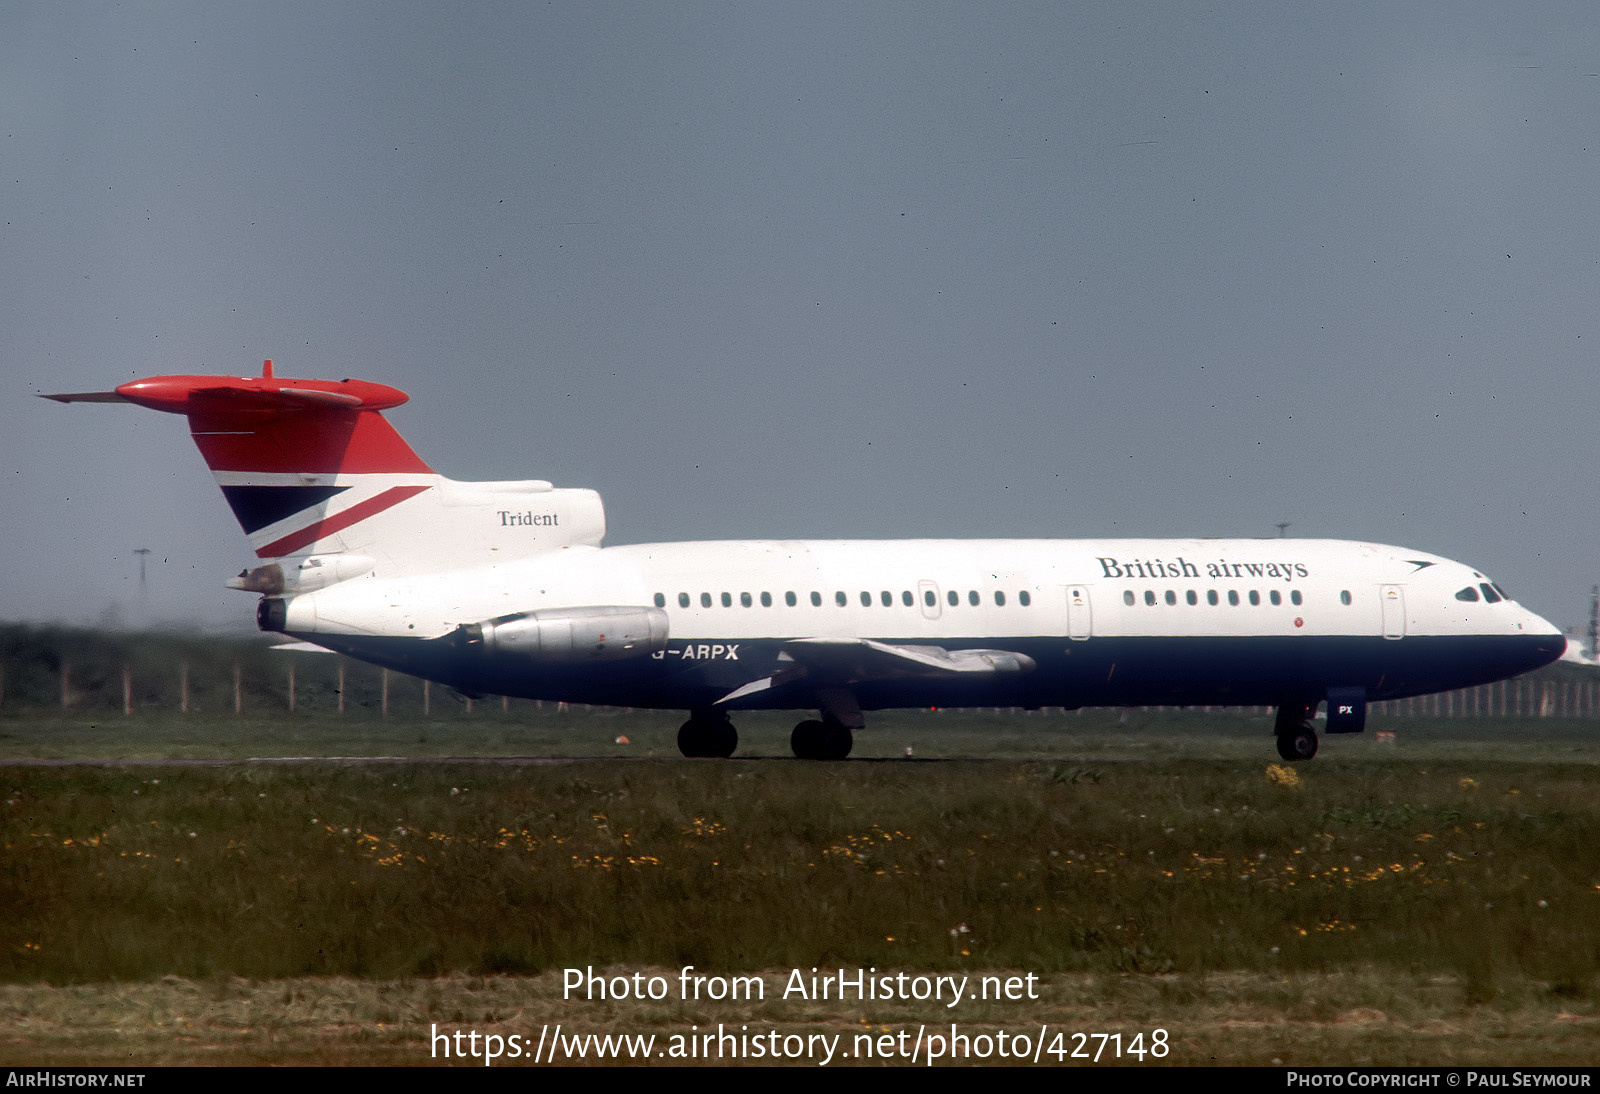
(1448,881)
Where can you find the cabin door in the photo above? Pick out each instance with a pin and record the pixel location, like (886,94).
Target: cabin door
(1079,624)
(1394,611)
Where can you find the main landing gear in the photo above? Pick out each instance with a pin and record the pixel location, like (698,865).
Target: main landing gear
(821,740)
(708,734)
(831,737)
(1297,736)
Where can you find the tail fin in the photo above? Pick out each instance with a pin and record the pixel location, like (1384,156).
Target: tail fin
(263,426)
(311,467)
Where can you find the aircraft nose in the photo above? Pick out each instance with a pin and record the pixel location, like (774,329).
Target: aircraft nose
(1549,643)
(1542,626)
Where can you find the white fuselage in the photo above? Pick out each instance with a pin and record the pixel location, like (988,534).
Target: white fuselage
(741,590)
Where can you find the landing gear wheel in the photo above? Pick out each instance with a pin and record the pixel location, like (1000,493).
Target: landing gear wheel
(806,740)
(1299,745)
(1297,737)
(703,737)
(821,740)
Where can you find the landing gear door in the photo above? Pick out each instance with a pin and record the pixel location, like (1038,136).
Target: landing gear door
(1079,623)
(1394,611)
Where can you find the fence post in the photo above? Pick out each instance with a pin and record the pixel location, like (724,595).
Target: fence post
(127,691)
(341,687)
(291,687)
(384,702)
(183,687)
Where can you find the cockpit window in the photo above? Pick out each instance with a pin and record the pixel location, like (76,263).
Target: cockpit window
(1495,585)
(1489,594)
(1468,594)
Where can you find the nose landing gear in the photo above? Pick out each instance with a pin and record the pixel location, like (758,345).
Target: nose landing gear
(1297,736)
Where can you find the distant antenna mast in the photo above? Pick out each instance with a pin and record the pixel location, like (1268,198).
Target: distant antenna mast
(1594,624)
(141,552)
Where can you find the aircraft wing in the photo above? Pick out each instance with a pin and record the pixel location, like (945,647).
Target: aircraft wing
(863,658)
(299,647)
(840,662)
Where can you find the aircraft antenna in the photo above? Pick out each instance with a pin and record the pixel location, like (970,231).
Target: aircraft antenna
(1282,525)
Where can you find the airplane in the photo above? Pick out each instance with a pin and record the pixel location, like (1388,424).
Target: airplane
(505,588)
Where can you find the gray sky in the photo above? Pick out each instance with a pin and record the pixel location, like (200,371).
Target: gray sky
(856,269)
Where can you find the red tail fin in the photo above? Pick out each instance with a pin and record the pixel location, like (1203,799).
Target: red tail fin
(283,450)
(266,425)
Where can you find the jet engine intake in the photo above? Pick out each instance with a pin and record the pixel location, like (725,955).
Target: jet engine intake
(606,633)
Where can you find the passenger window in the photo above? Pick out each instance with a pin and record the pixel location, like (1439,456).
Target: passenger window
(866,599)
(816,600)
(953,597)
(1211,597)
(1127,598)
(661,600)
(999,599)
(766,600)
(727,599)
(1294,597)
(1344,597)
(1255,599)
(1469,594)
(840,599)
(928,598)
(1489,594)
(1233,597)
(887,598)
(972,597)
(1149,598)
(907,599)
(1024,599)
(1276,597)
(705,600)
(1172,597)
(683,600)
(789,598)
(1191,598)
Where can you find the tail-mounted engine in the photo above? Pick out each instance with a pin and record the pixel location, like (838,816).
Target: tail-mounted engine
(568,634)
